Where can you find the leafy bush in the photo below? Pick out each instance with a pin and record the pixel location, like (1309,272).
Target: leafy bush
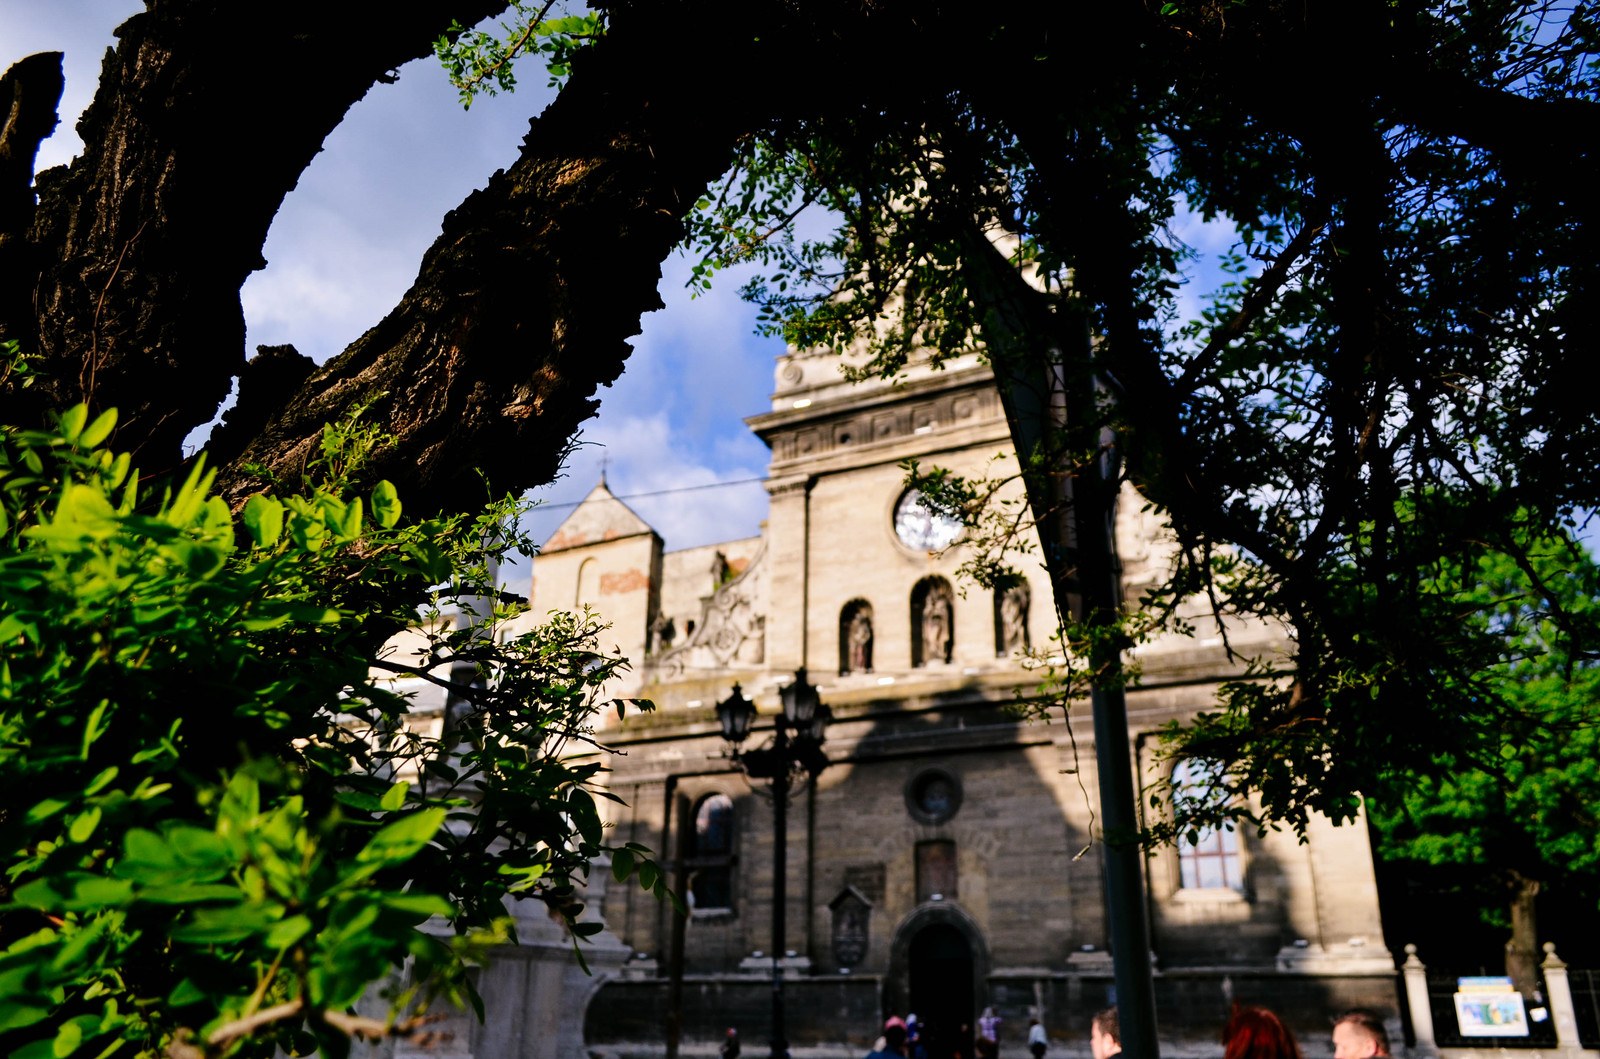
(216,827)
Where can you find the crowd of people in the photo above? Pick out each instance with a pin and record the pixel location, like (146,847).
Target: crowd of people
(1251,1033)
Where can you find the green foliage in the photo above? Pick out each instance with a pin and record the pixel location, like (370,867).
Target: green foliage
(483,62)
(217,827)
(1384,395)
(1531,814)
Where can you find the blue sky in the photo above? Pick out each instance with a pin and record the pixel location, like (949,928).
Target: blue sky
(348,239)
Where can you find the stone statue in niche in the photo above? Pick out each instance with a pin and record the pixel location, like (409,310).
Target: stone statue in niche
(938,620)
(663,630)
(1012,624)
(860,641)
(852,916)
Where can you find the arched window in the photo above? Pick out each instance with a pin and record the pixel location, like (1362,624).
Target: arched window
(1211,860)
(933,621)
(588,584)
(1011,619)
(855,637)
(711,887)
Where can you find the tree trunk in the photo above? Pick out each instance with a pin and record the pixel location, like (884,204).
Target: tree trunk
(205,117)
(206,114)
(524,303)
(29,93)
(1522,951)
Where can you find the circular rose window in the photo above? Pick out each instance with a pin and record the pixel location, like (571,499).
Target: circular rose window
(921,528)
(933,796)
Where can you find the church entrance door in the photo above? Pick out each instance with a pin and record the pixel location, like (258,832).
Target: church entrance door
(940,962)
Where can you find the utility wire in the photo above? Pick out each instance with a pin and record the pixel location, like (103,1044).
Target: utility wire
(658,492)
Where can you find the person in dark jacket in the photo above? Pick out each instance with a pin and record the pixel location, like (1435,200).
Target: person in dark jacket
(894,1040)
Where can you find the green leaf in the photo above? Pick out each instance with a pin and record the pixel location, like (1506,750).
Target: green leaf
(96,891)
(83,826)
(202,560)
(309,533)
(395,796)
(45,809)
(420,904)
(648,872)
(185,993)
(350,521)
(72,421)
(263,519)
(92,729)
(585,817)
(99,430)
(211,926)
(70,1035)
(11,625)
(385,504)
(621,864)
(287,932)
(190,893)
(400,840)
(105,776)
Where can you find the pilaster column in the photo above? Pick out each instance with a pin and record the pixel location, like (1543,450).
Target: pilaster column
(788,548)
(1416,977)
(1559,994)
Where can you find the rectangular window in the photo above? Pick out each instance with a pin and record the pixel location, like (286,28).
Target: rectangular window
(936,870)
(1212,863)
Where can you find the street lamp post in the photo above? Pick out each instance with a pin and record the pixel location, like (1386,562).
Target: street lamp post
(795,756)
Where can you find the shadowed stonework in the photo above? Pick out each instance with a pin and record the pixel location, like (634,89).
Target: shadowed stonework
(947,859)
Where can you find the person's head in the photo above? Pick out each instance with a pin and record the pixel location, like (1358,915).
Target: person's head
(1105,1037)
(733,1033)
(986,1048)
(1256,1033)
(1360,1034)
(894,1034)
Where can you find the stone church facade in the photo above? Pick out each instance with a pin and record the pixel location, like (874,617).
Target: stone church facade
(946,860)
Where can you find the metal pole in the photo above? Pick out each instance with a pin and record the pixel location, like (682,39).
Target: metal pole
(680,871)
(1125,907)
(780,867)
(1125,904)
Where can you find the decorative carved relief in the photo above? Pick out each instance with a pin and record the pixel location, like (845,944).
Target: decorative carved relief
(731,630)
(943,412)
(852,920)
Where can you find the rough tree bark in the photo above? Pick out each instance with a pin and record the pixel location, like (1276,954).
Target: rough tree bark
(29,93)
(524,303)
(1522,951)
(203,121)
(206,114)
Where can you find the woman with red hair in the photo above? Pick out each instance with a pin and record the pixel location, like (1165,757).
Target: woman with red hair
(1256,1033)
